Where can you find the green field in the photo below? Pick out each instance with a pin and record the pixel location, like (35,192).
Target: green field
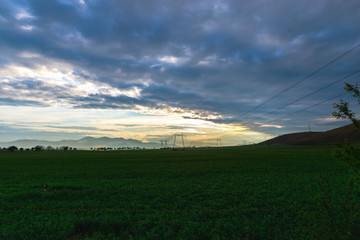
(217,193)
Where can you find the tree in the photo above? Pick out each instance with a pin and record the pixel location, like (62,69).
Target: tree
(330,218)
(39,148)
(349,153)
(64,148)
(12,148)
(343,107)
(49,148)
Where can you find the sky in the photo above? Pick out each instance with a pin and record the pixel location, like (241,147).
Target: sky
(150,69)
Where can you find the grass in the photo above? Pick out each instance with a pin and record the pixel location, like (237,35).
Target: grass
(222,193)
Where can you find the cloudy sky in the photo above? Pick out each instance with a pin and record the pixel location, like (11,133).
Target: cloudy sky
(211,69)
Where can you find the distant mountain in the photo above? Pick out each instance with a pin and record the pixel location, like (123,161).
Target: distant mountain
(337,135)
(86,142)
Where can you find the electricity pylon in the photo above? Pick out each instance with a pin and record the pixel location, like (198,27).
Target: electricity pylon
(164,143)
(182,138)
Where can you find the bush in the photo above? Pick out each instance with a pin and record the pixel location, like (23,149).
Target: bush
(12,148)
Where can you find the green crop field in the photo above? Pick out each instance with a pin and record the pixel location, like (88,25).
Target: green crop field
(218,193)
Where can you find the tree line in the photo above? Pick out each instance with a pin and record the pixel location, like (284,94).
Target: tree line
(38,148)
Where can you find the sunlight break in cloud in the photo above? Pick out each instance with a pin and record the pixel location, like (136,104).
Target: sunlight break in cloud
(172,60)
(23,14)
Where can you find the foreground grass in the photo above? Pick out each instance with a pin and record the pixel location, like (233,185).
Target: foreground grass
(227,193)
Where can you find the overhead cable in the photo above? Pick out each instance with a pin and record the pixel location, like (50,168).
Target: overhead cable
(307,95)
(303,79)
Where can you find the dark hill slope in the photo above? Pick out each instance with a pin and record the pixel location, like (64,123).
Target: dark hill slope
(290,138)
(336,135)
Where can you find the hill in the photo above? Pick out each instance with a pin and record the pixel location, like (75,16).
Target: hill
(337,135)
(86,142)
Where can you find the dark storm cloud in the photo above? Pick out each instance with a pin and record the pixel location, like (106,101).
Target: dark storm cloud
(31,92)
(220,57)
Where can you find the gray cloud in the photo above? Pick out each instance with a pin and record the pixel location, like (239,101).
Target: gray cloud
(19,102)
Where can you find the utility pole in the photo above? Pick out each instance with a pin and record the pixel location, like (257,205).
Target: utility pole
(218,142)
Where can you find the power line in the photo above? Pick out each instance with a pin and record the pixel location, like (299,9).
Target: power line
(307,95)
(303,109)
(303,79)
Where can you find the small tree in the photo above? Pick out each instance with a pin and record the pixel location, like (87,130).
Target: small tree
(12,148)
(349,153)
(64,148)
(326,218)
(343,107)
(49,148)
(39,148)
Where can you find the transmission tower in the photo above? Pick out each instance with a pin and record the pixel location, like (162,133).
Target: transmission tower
(182,138)
(164,143)
(218,142)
